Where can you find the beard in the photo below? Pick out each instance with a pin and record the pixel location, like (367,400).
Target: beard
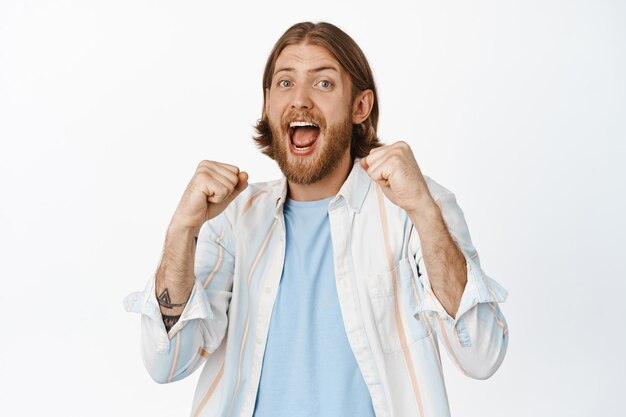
(325,157)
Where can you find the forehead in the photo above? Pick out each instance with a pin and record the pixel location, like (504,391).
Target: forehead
(304,56)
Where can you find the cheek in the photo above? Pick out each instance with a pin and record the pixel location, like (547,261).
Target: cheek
(334,107)
(337,114)
(274,109)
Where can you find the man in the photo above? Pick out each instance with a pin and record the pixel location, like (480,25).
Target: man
(324,293)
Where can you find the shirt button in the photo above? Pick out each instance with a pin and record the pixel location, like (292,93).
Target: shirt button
(268,290)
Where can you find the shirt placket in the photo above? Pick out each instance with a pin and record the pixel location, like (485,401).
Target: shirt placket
(341,218)
(267,297)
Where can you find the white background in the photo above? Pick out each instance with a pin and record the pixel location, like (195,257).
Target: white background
(106,108)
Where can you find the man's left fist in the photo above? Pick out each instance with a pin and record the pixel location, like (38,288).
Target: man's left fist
(395,169)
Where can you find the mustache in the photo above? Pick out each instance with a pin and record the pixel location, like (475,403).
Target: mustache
(309,117)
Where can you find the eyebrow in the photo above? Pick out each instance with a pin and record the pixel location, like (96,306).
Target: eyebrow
(312,70)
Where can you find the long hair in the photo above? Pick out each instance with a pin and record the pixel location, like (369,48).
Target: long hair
(348,54)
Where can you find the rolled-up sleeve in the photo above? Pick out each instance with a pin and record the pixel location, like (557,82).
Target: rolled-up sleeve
(202,326)
(477,337)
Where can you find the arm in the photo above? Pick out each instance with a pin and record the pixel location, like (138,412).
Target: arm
(459,298)
(184,315)
(170,355)
(212,188)
(174,276)
(443,258)
(476,336)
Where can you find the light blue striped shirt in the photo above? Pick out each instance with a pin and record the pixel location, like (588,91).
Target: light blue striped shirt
(392,319)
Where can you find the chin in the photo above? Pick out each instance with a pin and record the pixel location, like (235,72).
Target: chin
(319,159)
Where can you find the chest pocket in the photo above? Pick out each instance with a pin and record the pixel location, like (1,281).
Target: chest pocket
(394,296)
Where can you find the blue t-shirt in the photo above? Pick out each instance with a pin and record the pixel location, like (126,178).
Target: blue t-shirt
(308,367)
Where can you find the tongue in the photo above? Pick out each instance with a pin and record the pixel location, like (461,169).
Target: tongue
(305,136)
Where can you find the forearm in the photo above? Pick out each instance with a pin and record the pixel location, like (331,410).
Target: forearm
(173,355)
(444,261)
(175,276)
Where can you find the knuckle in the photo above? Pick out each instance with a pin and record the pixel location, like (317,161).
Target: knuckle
(222,189)
(231,168)
(207,164)
(201,177)
(203,163)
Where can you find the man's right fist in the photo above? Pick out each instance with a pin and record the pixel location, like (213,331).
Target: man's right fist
(212,188)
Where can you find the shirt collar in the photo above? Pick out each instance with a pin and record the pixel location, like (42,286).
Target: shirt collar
(356,186)
(353,190)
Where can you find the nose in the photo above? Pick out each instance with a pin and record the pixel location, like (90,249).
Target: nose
(301,99)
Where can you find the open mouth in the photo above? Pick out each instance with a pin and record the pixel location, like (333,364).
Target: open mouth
(303,135)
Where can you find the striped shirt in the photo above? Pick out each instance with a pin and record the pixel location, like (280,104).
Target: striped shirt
(393,320)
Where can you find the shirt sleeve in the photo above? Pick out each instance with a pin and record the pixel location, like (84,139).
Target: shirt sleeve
(202,326)
(477,338)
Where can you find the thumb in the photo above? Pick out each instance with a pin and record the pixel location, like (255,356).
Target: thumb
(364,163)
(242,183)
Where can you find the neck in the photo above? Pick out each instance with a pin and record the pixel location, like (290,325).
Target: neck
(324,188)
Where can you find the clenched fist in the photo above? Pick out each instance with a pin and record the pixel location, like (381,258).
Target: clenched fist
(395,169)
(211,189)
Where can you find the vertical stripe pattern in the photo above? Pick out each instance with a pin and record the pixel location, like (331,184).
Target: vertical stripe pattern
(225,322)
(399,326)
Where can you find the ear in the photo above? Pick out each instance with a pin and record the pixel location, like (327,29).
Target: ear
(362,106)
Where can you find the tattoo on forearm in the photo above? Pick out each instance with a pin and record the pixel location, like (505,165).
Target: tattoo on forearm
(169,321)
(165,301)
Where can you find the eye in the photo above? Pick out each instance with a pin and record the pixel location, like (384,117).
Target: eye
(325,84)
(284,83)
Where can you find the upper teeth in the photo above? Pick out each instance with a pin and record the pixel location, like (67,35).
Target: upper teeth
(302,124)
